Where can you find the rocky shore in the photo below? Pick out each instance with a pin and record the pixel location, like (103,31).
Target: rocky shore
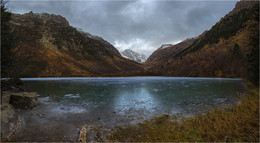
(10,120)
(90,133)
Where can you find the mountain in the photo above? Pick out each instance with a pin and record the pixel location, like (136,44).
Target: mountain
(166,51)
(229,49)
(132,55)
(46,46)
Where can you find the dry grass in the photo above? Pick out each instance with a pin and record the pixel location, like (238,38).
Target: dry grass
(235,124)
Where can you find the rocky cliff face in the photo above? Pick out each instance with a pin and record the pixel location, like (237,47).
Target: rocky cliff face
(132,55)
(46,45)
(107,45)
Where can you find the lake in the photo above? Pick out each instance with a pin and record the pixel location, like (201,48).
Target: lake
(68,103)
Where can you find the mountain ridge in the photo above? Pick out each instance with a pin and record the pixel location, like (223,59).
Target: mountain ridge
(223,51)
(54,48)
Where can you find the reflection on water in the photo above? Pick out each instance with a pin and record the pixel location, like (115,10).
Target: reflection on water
(136,101)
(68,103)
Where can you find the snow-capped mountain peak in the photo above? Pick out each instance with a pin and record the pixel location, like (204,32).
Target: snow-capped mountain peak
(132,55)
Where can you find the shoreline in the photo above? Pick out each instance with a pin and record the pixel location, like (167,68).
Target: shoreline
(220,124)
(120,77)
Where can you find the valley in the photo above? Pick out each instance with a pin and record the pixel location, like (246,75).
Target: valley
(61,83)
(47,46)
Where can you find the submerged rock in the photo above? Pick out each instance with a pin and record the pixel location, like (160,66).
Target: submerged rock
(41,115)
(10,122)
(24,99)
(5,97)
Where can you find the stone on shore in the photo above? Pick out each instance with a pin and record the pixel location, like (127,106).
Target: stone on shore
(83,134)
(89,133)
(24,99)
(10,122)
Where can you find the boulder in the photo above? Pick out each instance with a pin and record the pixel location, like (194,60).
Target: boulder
(24,99)
(10,122)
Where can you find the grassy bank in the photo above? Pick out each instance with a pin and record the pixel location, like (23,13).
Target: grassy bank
(237,123)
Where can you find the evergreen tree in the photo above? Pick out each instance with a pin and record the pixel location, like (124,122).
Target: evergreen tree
(7,40)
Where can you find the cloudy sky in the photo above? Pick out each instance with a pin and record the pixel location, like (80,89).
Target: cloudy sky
(142,25)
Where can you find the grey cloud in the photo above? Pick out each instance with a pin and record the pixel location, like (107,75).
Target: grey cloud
(140,25)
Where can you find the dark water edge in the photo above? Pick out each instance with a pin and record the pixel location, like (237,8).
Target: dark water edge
(66,104)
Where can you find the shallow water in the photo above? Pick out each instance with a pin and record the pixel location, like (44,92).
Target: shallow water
(68,103)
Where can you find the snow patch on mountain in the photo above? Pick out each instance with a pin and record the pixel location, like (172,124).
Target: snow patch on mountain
(165,46)
(132,55)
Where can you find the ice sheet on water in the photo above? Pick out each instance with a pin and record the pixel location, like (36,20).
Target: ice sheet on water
(44,99)
(68,109)
(72,96)
(220,100)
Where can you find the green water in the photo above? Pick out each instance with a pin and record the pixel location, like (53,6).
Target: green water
(68,103)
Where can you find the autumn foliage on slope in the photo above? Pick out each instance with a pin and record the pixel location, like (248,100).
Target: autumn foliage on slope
(229,49)
(47,46)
